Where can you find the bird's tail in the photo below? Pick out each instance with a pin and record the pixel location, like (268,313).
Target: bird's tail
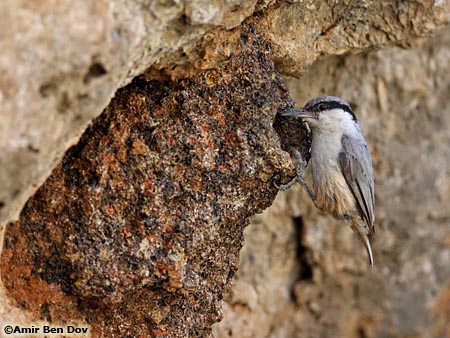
(366,242)
(365,236)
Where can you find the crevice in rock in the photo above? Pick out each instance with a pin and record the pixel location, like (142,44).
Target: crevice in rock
(361,332)
(95,70)
(306,269)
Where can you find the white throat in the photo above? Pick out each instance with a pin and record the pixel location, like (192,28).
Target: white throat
(336,121)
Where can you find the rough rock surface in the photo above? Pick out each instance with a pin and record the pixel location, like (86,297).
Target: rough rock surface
(61,62)
(302,274)
(310,29)
(138,230)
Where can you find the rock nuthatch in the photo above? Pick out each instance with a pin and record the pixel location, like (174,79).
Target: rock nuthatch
(341,165)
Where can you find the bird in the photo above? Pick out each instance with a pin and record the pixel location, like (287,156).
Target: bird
(341,165)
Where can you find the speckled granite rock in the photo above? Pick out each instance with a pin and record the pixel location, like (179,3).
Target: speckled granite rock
(62,61)
(138,230)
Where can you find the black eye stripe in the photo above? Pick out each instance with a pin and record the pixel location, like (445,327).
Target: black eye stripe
(333,105)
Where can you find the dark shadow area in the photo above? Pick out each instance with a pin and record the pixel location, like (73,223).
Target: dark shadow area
(305,273)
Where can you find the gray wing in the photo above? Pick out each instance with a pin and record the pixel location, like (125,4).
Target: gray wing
(356,165)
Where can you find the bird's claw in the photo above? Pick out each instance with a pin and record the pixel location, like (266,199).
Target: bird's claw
(284,187)
(300,166)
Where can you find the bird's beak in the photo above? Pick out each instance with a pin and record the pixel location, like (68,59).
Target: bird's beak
(305,114)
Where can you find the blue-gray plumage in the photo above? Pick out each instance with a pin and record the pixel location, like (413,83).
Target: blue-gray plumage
(341,165)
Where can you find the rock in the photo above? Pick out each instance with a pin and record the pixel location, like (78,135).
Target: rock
(137,231)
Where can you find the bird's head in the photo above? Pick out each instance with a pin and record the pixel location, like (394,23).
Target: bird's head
(326,113)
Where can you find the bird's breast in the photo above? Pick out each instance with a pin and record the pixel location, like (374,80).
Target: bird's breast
(332,192)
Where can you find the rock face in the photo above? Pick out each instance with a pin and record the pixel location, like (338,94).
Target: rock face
(61,63)
(138,229)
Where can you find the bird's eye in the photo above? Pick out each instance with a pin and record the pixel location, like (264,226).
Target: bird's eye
(321,107)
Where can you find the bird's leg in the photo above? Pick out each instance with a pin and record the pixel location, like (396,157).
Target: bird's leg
(300,169)
(305,186)
(300,165)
